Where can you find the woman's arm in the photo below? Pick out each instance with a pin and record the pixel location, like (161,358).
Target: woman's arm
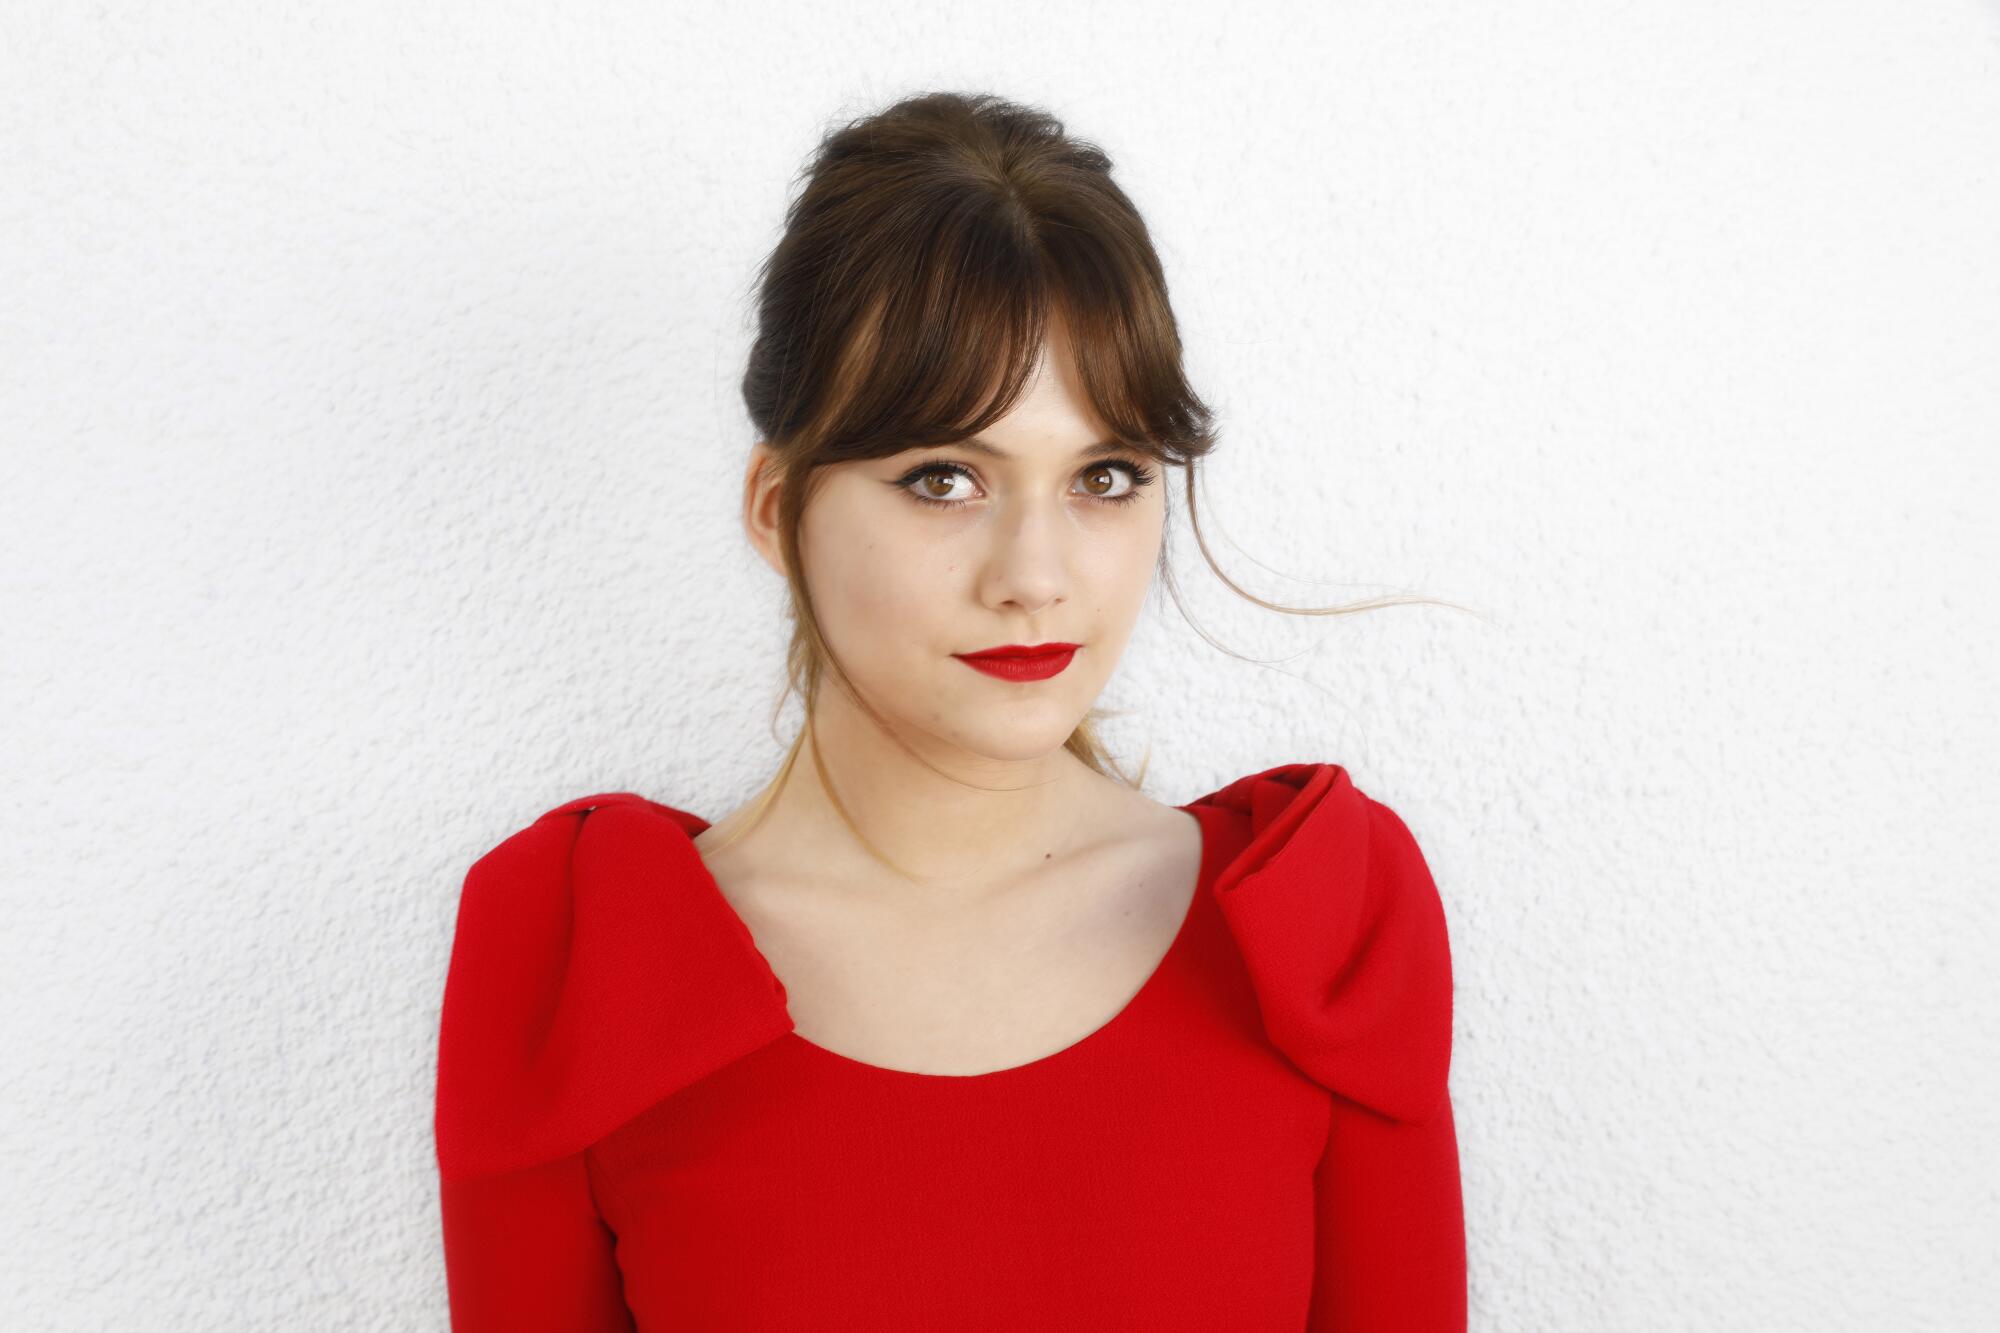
(527,1250)
(1390,1250)
(594,972)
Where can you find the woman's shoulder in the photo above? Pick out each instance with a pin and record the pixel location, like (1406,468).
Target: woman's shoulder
(1341,927)
(590,977)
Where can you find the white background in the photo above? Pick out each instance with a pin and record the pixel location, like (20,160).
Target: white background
(372,453)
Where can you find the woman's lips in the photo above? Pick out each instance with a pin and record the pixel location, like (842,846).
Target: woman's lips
(1020,666)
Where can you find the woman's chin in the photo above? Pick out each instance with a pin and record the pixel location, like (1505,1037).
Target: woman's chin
(1014,734)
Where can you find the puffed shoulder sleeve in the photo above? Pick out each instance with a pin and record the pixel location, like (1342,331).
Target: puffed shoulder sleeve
(1344,936)
(595,970)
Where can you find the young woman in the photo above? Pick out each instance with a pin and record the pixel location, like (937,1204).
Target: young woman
(953,1027)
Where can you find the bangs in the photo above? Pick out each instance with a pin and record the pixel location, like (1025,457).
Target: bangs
(935,329)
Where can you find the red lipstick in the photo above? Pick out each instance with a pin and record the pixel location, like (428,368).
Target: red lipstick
(1015,661)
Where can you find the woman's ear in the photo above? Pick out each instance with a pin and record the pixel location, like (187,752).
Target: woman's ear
(761,490)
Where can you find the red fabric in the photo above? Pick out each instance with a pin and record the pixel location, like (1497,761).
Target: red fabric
(631,1134)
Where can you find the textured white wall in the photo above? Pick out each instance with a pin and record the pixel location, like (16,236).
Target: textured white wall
(371,453)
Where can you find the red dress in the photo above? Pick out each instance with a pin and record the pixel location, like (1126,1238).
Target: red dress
(631,1135)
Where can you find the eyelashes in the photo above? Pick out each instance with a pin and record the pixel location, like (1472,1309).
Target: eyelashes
(1141,475)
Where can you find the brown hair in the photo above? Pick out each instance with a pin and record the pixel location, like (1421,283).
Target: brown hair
(906,305)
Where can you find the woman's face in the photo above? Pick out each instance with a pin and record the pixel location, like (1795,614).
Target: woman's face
(933,552)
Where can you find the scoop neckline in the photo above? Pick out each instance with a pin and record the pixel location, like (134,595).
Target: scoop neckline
(1127,1013)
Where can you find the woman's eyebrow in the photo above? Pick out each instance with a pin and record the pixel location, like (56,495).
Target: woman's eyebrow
(977,445)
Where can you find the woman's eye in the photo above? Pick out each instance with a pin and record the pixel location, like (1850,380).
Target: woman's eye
(1111,473)
(934,484)
(939,484)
